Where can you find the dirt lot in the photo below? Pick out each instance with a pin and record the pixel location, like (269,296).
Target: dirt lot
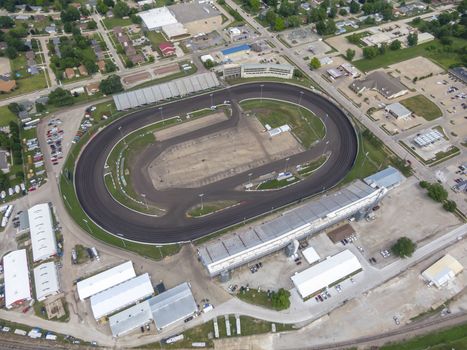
(169,69)
(416,67)
(4,65)
(220,155)
(417,216)
(131,79)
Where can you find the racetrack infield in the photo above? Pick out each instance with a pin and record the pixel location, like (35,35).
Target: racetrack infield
(175,226)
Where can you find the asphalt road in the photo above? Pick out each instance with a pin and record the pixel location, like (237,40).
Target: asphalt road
(340,142)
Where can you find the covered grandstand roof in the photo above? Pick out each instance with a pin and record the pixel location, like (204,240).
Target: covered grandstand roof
(324,274)
(46,280)
(130,319)
(121,295)
(389,178)
(173,305)
(105,280)
(279,230)
(16,277)
(175,88)
(43,240)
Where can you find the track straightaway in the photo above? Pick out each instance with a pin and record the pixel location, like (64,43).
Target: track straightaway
(340,143)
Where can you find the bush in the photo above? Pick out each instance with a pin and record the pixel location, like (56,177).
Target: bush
(450,206)
(281,299)
(437,192)
(404,247)
(424,184)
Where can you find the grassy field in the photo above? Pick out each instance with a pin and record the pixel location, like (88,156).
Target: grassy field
(257,298)
(304,124)
(423,107)
(116,22)
(156,39)
(452,338)
(433,50)
(275,184)
(312,166)
(209,207)
(6,116)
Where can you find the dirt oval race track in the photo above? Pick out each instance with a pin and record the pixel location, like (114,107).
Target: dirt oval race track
(340,142)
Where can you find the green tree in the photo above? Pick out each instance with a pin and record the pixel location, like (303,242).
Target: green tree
(70,14)
(110,67)
(14,108)
(91,25)
(109,3)
(111,85)
(11,53)
(281,299)
(395,45)
(343,12)
(315,63)
(101,7)
(279,24)
(450,206)
(60,97)
(412,39)
(121,9)
(209,64)
(370,52)
(437,192)
(354,7)
(271,17)
(254,5)
(136,19)
(349,54)
(404,247)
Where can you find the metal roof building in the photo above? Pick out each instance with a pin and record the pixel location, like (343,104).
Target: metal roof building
(324,274)
(236,49)
(121,296)
(43,240)
(428,138)
(156,18)
(160,92)
(389,178)
(310,254)
(46,280)
(16,277)
(237,249)
(398,110)
(173,305)
(443,271)
(130,319)
(105,280)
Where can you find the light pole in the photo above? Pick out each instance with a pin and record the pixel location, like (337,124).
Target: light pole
(201,195)
(249,178)
(286,164)
(145,200)
(162,116)
(325,147)
(364,159)
(261,95)
(212,103)
(121,134)
(300,99)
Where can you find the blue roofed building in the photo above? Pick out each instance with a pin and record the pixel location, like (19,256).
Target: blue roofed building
(388,178)
(236,49)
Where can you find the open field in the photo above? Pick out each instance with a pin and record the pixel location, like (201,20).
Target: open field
(209,208)
(116,22)
(422,107)
(432,50)
(304,124)
(6,116)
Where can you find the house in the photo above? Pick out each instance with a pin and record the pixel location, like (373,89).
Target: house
(7,85)
(30,55)
(69,73)
(101,65)
(136,59)
(123,38)
(51,29)
(109,14)
(92,88)
(82,70)
(4,166)
(167,49)
(130,50)
(382,82)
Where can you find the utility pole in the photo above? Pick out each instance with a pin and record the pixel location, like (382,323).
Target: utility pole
(201,195)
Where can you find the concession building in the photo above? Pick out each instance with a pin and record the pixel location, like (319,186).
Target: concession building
(43,240)
(16,277)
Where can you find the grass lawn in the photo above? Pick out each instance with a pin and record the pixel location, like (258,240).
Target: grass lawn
(116,22)
(451,338)
(210,207)
(423,107)
(7,116)
(82,255)
(276,184)
(432,50)
(260,298)
(304,124)
(312,166)
(156,39)
(26,85)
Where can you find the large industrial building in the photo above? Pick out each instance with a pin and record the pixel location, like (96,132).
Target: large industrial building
(105,280)
(16,277)
(44,244)
(253,70)
(320,276)
(46,280)
(121,296)
(382,82)
(164,309)
(236,249)
(184,18)
(175,88)
(443,271)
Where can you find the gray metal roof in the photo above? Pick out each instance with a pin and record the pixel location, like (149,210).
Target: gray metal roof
(156,93)
(231,244)
(388,178)
(398,109)
(173,305)
(130,319)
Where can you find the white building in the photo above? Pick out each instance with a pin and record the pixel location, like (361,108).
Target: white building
(252,70)
(320,276)
(156,18)
(130,319)
(16,277)
(443,271)
(105,280)
(121,296)
(46,280)
(310,254)
(398,111)
(43,240)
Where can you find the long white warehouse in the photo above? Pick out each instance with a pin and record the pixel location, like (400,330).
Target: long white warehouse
(46,280)
(320,276)
(121,296)
(43,240)
(105,280)
(239,248)
(16,276)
